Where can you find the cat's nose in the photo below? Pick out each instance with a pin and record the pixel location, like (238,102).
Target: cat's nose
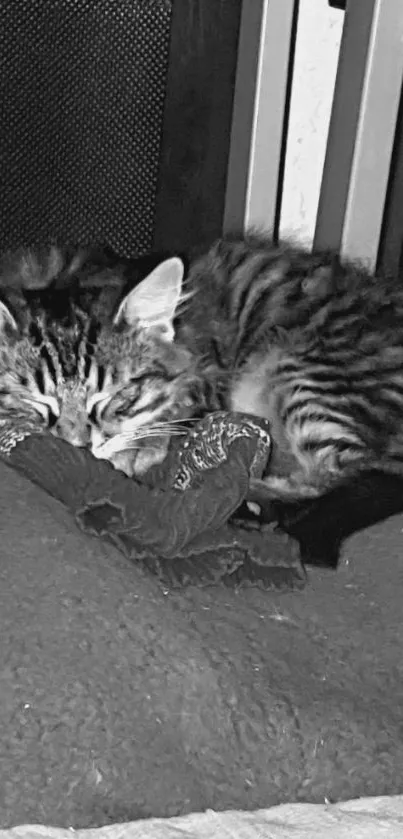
(79,436)
(83,439)
(83,436)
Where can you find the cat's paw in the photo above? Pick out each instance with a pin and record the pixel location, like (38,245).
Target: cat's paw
(281,488)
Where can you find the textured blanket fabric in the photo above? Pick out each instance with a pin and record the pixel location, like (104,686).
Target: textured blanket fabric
(123,699)
(177,525)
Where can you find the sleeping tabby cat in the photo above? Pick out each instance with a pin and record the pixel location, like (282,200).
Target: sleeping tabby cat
(313,345)
(98,368)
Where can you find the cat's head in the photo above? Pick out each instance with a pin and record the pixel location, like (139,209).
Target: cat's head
(118,387)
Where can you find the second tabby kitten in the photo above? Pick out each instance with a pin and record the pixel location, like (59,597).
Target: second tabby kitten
(96,366)
(314,346)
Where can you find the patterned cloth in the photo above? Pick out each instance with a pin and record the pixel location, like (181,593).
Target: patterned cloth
(178,525)
(12,434)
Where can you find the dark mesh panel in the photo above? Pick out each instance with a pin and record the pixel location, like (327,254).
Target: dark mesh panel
(82,87)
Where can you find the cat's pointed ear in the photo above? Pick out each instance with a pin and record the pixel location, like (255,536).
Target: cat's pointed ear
(153,303)
(7,321)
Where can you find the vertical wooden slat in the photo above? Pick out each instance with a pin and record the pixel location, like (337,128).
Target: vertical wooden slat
(390,257)
(362,130)
(375,134)
(343,124)
(261,105)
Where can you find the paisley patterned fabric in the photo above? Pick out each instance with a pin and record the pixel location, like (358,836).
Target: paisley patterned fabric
(178,525)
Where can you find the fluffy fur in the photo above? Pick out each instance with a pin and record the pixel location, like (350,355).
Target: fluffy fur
(96,366)
(311,344)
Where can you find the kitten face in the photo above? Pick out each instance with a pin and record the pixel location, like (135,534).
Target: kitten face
(118,388)
(146,390)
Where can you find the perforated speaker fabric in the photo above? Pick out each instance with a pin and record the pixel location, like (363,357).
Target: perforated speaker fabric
(82,89)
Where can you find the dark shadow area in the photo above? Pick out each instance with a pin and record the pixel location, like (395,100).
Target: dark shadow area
(322,526)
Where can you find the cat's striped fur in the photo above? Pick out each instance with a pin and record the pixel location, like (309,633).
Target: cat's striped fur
(313,345)
(95,366)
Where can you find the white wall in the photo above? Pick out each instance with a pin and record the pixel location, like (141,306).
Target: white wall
(317,50)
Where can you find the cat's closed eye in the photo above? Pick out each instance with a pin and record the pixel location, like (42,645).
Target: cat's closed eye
(122,410)
(93,415)
(52,418)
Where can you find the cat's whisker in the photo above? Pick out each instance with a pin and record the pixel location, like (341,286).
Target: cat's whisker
(127,439)
(164,431)
(181,421)
(160,432)
(130,447)
(177,421)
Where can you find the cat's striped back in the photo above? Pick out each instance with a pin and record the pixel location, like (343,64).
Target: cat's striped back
(315,346)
